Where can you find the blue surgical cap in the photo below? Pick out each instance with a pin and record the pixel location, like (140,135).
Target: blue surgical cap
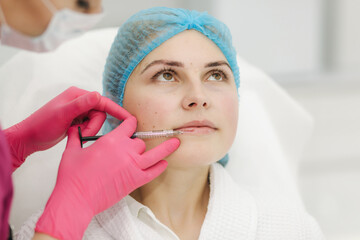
(148,29)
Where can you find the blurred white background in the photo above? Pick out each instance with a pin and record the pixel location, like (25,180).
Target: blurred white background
(311,48)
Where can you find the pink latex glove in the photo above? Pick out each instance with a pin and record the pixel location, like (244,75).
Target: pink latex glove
(93,179)
(48,125)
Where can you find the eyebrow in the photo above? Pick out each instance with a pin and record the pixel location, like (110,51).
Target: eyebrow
(216,64)
(180,64)
(163,62)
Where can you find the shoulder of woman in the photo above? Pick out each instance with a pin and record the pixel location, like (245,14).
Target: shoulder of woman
(284,216)
(278,216)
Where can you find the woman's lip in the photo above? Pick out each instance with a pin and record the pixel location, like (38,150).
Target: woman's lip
(197,127)
(196,130)
(203,123)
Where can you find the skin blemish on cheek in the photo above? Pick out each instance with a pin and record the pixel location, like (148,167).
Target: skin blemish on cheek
(155,112)
(153,126)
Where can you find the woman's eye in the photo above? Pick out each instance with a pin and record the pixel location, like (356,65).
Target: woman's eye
(166,77)
(216,77)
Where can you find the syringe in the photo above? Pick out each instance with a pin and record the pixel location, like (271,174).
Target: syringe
(142,135)
(156,134)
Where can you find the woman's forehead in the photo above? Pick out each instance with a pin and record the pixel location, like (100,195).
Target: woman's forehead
(189,47)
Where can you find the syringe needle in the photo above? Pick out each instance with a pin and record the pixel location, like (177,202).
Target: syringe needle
(141,135)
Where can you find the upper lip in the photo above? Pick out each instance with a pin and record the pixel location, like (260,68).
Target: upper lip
(203,123)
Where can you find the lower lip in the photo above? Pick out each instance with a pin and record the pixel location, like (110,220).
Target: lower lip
(197,130)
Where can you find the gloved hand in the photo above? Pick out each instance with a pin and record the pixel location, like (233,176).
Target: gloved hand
(93,179)
(48,125)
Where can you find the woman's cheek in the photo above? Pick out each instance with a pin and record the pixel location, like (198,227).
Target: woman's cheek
(230,117)
(230,107)
(152,114)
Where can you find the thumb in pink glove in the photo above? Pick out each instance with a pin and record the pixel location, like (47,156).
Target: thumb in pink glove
(93,179)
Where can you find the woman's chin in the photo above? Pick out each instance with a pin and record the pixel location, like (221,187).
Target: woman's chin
(183,159)
(192,153)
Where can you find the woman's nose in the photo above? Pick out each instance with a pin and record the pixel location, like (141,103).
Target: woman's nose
(195,99)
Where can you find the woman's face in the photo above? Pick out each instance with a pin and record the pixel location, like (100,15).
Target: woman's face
(186,83)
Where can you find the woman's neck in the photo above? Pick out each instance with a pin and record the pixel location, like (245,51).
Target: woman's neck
(179,199)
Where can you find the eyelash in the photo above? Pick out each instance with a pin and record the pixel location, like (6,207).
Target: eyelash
(221,72)
(165,70)
(170,70)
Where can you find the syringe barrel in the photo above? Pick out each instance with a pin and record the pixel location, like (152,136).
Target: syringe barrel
(155,134)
